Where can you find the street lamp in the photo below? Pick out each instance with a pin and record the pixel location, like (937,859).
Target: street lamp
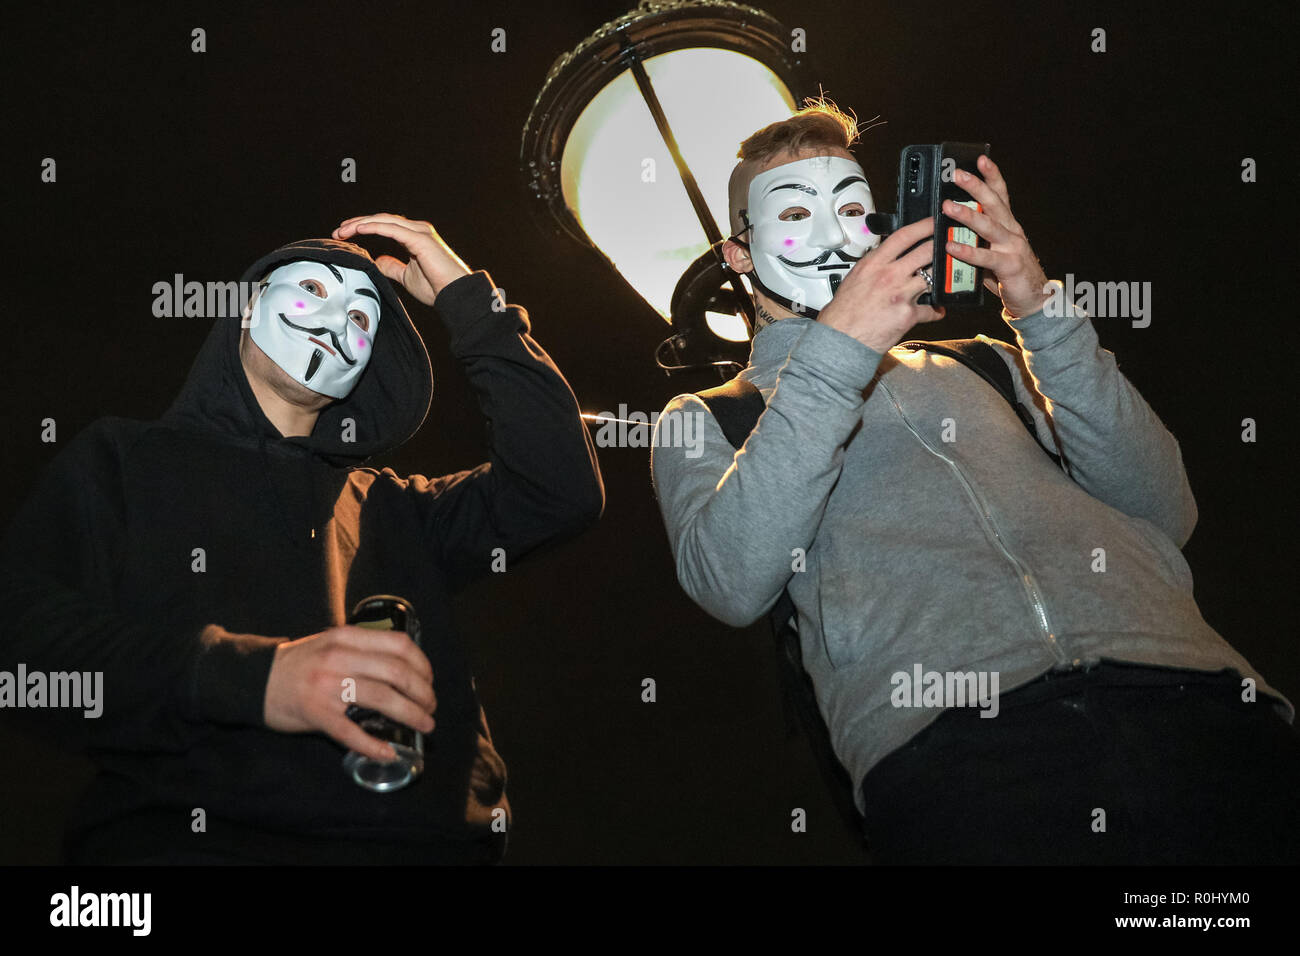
(629,146)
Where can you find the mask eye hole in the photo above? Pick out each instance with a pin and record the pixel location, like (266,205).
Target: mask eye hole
(794,214)
(313,287)
(853,209)
(361,319)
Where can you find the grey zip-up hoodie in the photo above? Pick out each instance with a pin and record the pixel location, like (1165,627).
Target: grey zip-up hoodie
(917,524)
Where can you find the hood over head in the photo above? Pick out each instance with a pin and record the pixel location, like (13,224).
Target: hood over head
(388,403)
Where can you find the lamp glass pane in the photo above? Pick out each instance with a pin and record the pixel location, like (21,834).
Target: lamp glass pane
(619,179)
(730,327)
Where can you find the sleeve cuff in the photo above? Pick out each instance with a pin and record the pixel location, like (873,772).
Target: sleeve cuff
(1055,321)
(229,680)
(472,307)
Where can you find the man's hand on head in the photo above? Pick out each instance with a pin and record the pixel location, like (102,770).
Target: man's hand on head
(1018,278)
(432,266)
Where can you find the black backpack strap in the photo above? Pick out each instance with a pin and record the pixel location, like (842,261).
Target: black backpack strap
(737,406)
(801,697)
(983,359)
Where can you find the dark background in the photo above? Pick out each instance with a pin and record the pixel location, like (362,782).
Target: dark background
(1122,166)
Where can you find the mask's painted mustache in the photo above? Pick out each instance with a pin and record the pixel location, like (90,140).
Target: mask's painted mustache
(820,259)
(338,346)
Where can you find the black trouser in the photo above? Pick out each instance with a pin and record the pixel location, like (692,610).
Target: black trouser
(1173,764)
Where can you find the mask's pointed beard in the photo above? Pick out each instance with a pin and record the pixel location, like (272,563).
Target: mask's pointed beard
(317,356)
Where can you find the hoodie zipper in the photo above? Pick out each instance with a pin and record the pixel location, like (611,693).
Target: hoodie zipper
(1027,580)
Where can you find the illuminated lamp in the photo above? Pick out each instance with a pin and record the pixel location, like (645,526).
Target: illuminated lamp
(628,149)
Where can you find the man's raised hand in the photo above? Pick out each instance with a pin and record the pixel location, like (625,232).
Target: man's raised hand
(1018,278)
(876,302)
(432,266)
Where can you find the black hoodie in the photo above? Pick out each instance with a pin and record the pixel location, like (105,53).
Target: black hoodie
(141,535)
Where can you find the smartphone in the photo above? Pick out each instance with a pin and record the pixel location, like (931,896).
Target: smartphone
(925,180)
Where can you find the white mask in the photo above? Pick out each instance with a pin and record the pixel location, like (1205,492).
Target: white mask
(318,323)
(801,260)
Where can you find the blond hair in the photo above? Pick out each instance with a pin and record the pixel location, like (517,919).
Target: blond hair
(819,125)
